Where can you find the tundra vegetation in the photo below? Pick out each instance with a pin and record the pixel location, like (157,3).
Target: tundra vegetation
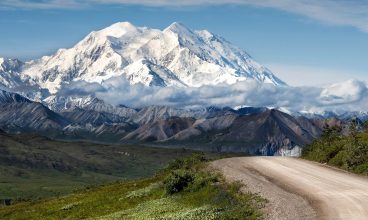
(349,152)
(186,189)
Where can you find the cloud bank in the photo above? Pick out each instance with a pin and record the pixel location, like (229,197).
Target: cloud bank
(336,12)
(350,95)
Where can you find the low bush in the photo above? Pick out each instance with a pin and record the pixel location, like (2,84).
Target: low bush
(177,180)
(347,152)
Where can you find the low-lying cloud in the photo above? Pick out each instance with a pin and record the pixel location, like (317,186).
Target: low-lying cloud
(343,93)
(350,95)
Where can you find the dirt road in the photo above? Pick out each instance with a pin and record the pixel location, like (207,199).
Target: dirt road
(299,189)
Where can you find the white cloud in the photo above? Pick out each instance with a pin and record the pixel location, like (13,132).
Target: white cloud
(349,95)
(337,12)
(343,93)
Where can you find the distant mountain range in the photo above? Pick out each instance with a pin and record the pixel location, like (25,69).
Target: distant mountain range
(260,131)
(33,98)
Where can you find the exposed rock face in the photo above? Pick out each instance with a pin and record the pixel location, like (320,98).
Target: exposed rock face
(258,131)
(264,133)
(20,114)
(160,130)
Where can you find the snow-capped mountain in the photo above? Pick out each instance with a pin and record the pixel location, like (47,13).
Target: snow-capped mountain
(175,56)
(89,103)
(9,73)
(69,94)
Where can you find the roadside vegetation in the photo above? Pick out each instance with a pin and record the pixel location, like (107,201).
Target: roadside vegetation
(186,189)
(349,152)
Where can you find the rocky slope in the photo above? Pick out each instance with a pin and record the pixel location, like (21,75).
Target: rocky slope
(269,132)
(19,114)
(253,130)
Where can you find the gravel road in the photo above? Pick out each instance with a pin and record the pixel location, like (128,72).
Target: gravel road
(300,189)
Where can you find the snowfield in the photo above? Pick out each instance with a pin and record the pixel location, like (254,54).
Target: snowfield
(175,56)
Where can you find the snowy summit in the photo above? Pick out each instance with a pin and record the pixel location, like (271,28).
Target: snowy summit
(175,56)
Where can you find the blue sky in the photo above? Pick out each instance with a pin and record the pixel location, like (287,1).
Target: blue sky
(304,43)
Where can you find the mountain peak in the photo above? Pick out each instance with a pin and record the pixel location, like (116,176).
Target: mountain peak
(177,27)
(118,29)
(176,24)
(122,25)
(176,56)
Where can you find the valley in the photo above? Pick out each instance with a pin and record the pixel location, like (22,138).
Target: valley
(33,166)
(169,122)
(183,190)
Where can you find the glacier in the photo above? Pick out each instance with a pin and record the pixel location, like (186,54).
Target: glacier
(176,56)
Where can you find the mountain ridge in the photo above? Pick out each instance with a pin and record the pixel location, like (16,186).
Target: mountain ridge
(175,56)
(260,131)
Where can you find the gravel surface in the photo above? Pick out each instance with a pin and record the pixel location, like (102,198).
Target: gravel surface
(299,189)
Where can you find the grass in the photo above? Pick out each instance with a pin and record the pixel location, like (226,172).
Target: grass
(33,167)
(203,196)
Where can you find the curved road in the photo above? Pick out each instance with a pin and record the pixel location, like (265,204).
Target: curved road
(299,189)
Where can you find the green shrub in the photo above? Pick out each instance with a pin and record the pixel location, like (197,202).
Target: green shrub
(201,180)
(363,169)
(340,160)
(177,180)
(358,154)
(346,152)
